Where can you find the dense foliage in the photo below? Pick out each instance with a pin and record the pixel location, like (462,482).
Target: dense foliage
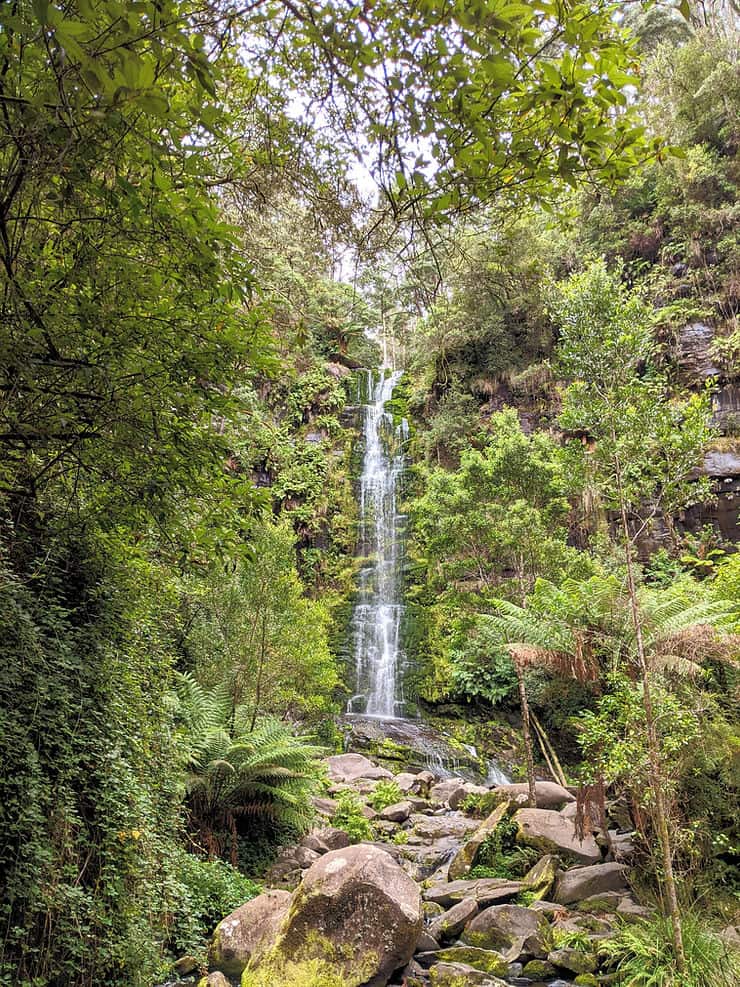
(190,278)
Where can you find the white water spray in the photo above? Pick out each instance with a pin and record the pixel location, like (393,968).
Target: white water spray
(376,619)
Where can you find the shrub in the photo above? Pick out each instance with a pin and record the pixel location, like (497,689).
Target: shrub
(644,957)
(205,892)
(385,793)
(350,818)
(499,856)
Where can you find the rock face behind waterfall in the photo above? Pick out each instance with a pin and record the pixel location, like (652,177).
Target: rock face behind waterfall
(391,912)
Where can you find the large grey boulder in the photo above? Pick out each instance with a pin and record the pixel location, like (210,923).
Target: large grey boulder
(584,882)
(511,929)
(350,768)
(549,795)
(551,833)
(361,902)
(248,932)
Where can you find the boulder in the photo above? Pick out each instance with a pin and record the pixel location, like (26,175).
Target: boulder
(332,839)
(409,784)
(486,960)
(451,923)
(630,911)
(455,974)
(305,856)
(607,901)
(575,960)
(427,943)
(538,970)
(462,862)
(248,932)
(550,832)
(436,827)
(583,882)
(350,768)
(185,965)
(485,891)
(510,929)
(540,878)
(325,807)
(363,903)
(549,794)
(215,979)
(451,791)
(398,812)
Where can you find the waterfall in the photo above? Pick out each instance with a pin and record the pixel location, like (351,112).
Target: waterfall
(376,618)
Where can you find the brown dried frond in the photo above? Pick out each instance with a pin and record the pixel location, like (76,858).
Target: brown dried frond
(590,809)
(580,665)
(697,644)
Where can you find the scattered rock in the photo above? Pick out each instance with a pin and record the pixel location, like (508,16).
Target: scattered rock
(361,901)
(511,929)
(607,901)
(484,890)
(324,807)
(451,791)
(464,859)
(350,768)
(538,970)
(427,943)
(583,882)
(332,839)
(549,794)
(249,931)
(630,911)
(455,974)
(409,783)
(215,979)
(436,827)
(550,832)
(541,877)
(486,960)
(575,960)
(185,965)
(398,812)
(452,922)
(623,845)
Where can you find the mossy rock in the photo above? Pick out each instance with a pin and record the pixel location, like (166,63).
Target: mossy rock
(586,980)
(539,970)
(486,960)
(574,960)
(431,909)
(595,903)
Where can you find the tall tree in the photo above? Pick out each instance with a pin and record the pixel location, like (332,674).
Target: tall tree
(641,448)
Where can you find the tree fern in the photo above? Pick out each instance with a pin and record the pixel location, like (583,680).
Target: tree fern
(233,774)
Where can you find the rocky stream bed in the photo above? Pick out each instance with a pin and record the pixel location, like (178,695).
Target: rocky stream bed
(405,910)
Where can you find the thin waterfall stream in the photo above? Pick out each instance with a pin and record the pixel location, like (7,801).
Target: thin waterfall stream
(377,709)
(376,619)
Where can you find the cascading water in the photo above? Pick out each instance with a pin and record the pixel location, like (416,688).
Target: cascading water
(376,618)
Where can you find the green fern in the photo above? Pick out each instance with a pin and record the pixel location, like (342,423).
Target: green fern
(234,774)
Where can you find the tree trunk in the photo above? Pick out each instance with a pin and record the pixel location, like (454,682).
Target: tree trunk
(654,754)
(527,734)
